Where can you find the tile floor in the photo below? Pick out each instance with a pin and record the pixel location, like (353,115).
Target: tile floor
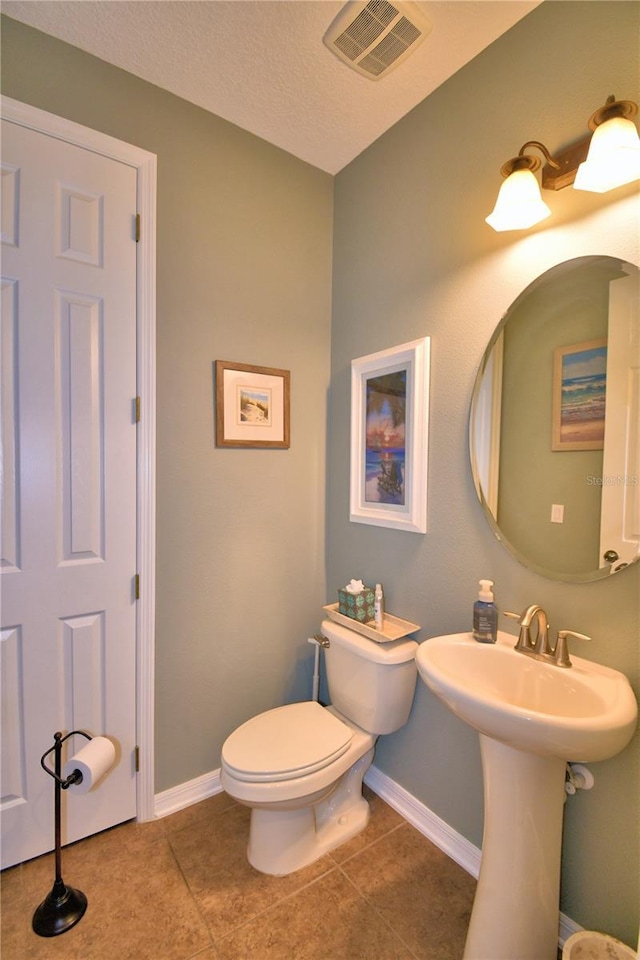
(181,888)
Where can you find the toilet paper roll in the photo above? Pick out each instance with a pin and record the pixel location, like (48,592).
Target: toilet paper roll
(93,761)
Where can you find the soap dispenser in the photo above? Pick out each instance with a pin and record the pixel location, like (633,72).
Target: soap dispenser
(485,614)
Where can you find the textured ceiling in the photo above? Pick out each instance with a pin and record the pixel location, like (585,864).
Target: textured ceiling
(261,64)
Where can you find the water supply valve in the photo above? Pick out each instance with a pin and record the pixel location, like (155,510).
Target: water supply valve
(578,777)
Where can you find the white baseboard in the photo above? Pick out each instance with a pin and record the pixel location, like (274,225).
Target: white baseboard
(185,794)
(464,853)
(425,821)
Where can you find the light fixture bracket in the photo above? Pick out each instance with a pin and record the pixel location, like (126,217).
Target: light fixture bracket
(524,161)
(567,163)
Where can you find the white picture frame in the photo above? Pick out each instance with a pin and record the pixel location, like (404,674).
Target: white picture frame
(390,437)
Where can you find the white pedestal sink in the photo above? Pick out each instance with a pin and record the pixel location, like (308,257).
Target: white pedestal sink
(533,718)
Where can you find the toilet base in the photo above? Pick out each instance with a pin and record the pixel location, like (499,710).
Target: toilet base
(282,841)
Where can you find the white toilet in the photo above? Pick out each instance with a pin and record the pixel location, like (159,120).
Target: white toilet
(300,767)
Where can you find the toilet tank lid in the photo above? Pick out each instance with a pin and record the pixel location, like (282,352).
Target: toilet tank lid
(395,651)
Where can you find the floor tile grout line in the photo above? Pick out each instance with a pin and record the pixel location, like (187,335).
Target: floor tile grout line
(377,912)
(372,843)
(216,939)
(273,906)
(204,952)
(193,898)
(336,866)
(193,823)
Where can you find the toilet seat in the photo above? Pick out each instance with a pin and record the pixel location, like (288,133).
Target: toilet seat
(285,743)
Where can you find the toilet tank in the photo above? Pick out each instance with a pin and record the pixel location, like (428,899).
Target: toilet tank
(370,683)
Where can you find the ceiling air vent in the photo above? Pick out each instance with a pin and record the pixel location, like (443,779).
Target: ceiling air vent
(375,37)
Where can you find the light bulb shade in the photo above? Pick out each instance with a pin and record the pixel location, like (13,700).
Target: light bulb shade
(519,204)
(613,158)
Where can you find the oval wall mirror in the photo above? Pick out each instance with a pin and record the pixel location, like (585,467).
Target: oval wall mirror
(554,430)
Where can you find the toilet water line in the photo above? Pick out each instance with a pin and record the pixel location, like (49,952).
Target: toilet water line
(316,669)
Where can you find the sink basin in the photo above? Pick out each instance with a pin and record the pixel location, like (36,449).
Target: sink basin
(586,712)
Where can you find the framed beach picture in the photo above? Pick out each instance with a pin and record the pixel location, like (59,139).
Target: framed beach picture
(389,437)
(579,396)
(252,405)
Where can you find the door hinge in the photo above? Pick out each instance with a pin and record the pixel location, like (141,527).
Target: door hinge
(137,228)
(137,409)
(136,586)
(137,758)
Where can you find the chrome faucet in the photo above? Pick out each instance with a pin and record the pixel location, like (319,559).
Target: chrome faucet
(539,646)
(526,643)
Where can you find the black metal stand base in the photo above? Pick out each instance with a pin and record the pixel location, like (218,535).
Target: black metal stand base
(61,910)
(64,906)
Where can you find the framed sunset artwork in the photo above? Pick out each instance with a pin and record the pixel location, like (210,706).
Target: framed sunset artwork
(389,437)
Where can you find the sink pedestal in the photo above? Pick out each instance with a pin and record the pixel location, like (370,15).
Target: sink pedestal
(516,908)
(548,716)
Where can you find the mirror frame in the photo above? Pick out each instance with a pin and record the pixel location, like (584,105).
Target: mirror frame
(591,576)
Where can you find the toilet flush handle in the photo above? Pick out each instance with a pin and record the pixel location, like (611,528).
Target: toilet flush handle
(321,640)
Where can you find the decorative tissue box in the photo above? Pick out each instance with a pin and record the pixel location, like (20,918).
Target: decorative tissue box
(357,606)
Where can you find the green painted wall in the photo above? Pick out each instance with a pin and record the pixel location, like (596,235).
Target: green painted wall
(414,257)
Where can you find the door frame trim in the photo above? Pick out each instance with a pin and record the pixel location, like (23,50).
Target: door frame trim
(145,164)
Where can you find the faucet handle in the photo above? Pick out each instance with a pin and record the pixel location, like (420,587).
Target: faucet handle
(524,640)
(561,652)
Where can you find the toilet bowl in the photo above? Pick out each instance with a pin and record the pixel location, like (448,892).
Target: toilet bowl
(298,813)
(300,767)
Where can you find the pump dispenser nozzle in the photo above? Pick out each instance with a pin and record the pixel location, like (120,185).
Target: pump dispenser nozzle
(486,593)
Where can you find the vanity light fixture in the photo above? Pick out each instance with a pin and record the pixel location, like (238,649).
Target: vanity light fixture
(607,159)
(520,204)
(614,152)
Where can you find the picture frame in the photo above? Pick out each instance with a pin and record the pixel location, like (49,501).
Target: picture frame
(389,437)
(579,396)
(252,405)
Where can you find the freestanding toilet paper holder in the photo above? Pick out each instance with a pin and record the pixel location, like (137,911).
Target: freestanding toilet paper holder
(64,906)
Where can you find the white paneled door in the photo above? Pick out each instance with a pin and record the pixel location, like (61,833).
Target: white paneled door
(620,510)
(68,561)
